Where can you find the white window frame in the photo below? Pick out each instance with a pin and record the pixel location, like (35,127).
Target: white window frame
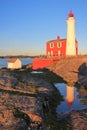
(51,45)
(59,44)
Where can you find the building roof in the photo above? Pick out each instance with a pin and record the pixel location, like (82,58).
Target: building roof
(12,60)
(57,40)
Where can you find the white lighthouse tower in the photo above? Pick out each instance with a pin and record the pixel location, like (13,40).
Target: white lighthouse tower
(70,42)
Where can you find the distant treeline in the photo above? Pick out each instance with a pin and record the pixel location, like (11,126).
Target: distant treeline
(22,56)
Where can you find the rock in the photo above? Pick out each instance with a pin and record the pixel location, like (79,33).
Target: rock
(77,120)
(69,68)
(28,66)
(13,89)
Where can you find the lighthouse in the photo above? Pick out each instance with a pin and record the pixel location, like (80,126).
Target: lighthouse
(71,36)
(59,47)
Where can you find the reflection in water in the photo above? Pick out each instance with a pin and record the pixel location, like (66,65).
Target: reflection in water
(69,95)
(36,72)
(72,100)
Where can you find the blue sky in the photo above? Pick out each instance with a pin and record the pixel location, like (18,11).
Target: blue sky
(26,25)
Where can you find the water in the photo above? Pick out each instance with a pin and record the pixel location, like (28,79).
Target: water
(36,72)
(72,99)
(4,61)
(26,61)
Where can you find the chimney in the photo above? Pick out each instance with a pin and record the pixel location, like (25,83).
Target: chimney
(58,38)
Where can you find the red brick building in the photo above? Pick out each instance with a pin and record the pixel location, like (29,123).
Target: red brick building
(58,47)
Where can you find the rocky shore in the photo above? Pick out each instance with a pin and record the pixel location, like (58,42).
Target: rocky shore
(19,107)
(71,69)
(76,118)
(74,71)
(28,101)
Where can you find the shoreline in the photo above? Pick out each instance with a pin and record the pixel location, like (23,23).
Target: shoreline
(43,114)
(14,86)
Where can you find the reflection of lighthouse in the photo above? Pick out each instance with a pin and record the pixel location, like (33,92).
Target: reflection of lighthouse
(69,95)
(71,45)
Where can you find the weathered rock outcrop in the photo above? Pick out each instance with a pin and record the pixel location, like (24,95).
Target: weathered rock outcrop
(21,107)
(70,68)
(77,119)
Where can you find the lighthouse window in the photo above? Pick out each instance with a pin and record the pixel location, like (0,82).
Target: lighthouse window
(59,44)
(51,45)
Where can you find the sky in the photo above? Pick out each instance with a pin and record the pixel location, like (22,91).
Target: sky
(26,25)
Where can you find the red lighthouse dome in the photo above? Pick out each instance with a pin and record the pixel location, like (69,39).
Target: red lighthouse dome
(70,14)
